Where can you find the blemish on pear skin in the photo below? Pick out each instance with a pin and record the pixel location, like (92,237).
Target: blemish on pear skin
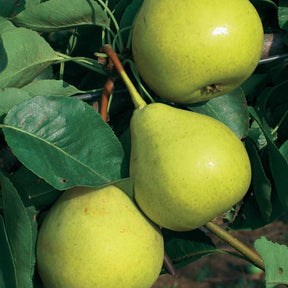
(123,230)
(212,88)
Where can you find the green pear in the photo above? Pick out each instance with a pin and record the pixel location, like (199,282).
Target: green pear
(98,238)
(188,167)
(195,50)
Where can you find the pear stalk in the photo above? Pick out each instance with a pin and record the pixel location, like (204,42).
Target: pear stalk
(138,101)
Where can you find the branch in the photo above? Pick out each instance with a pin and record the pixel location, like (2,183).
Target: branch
(250,254)
(169,266)
(107,91)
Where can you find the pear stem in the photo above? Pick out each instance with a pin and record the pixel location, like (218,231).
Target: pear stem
(249,253)
(138,101)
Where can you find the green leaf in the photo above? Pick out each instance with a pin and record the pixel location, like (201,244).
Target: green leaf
(278,164)
(186,247)
(231,109)
(7,7)
(256,134)
(127,185)
(277,103)
(264,7)
(258,113)
(13,7)
(284,150)
(128,17)
(278,71)
(260,183)
(10,97)
(7,267)
(21,230)
(47,74)
(279,170)
(62,15)
(283,14)
(253,85)
(50,88)
(119,8)
(24,54)
(5,25)
(40,193)
(275,257)
(249,216)
(64,141)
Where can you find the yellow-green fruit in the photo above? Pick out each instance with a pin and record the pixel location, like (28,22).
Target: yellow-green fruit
(98,239)
(188,167)
(191,51)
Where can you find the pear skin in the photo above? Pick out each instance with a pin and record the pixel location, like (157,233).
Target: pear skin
(98,238)
(188,167)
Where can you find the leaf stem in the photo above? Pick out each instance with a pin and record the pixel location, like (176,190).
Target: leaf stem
(250,254)
(109,12)
(91,64)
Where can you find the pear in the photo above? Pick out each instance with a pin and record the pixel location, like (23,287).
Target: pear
(98,238)
(196,50)
(188,167)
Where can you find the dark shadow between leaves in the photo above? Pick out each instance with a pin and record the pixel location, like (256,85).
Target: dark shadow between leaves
(3,56)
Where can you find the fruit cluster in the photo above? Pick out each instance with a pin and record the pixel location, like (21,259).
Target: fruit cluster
(187,167)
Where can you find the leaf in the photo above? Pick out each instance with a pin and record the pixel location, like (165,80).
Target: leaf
(7,7)
(283,14)
(231,109)
(249,216)
(284,150)
(277,103)
(50,88)
(126,185)
(128,17)
(7,267)
(10,97)
(264,7)
(186,247)
(260,183)
(64,141)
(5,25)
(255,133)
(279,170)
(21,231)
(259,114)
(40,193)
(275,257)
(253,85)
(24,54)
(278,164)
(13,7)
(62,15)
(120,8)
(278,71)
